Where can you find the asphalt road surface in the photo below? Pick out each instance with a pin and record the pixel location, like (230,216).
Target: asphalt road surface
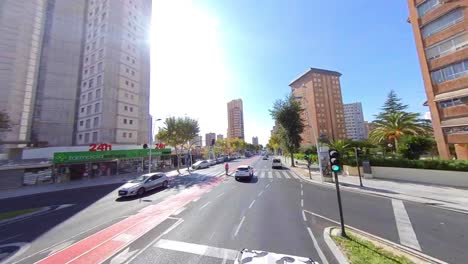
(208,218)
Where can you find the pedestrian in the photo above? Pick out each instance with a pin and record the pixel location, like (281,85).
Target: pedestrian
(226,167)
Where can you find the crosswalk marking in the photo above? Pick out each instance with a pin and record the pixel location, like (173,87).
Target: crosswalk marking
(294,175)
(270,175)
(262,174)
(285,174)
(278,174)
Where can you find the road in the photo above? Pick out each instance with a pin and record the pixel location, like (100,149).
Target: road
(207,218)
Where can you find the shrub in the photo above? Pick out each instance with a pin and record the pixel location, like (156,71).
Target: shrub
(451,165)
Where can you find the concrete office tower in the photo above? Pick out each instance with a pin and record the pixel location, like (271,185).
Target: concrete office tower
(235,119)
(209,137)
(441,40)
(319,92)
(114,90)
(59,73)
(255,141)
(354,121)
(21,30)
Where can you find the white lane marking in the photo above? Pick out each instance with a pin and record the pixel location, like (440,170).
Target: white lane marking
(302,192)
(267,186)
(270,175)
(285,174)
(196,199)
(301,185)
(197,249)
(302,202)
(260,194)
(317,247)
(205,205)
(251,204)
(403,223)
(219,195)
(303,216)
(239,226)
(178,211)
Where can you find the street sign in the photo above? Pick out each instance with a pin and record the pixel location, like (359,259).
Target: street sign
(96,156)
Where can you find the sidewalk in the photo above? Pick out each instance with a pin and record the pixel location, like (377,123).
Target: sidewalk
(436,195)
(103,180)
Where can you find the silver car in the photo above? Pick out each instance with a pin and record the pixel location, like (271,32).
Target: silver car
(200,165)
(144,183)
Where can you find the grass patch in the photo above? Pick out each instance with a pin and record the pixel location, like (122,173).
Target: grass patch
(360,251)
(12,214)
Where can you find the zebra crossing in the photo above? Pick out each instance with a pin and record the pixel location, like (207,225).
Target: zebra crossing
(275,174)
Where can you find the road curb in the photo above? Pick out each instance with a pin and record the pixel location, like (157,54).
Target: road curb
(333,247)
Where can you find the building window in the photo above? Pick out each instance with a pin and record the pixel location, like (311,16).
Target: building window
(447,46)
(125,121)
(85,84)
(88,109)
(81,123)
(90,96)
(99,80)
(83,97)
(94,45)
(456,130)
(92,69)
(453,102)
(95,136)
(91,83)
(93,58)
(130,121)
(96,122)
(98,93)
(427,6)
(88,123)
(80,137)
(97,107)
(450,72)
(101,53)
(133,73)
(442,23)
(99,66)
(133,85)
(127,70)
(126,108)
(130,135)
(131,109)
(82,110)
(86,138)
(101,41)
(126,83)
(124,134)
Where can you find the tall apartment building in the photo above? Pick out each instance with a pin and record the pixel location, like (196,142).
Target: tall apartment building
(319,92)
(255,141)
(235,119)
(21,29)
(209,137)
(219,137)
(114,90)
(441,36)
(354,121)
(75,72)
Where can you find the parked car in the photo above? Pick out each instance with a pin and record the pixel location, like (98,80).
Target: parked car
(200,164)
(244,172)
(265,157)
(212,162)
(219,160)
(143,183)
(276,163)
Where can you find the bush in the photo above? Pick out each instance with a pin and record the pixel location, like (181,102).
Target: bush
(412,147)
(451,165)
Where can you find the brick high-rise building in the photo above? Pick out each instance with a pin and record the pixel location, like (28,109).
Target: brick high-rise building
(235,119)
(440,32)
(319,92)
(354,121)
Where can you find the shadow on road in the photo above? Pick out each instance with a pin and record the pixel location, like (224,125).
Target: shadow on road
(253,180)
(136,197)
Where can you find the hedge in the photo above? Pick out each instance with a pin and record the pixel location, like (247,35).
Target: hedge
(451,165)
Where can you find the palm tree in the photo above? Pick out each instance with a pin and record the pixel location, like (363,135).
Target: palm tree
(393,126)
(340,145)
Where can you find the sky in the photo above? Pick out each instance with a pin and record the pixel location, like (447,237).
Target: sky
(205,53)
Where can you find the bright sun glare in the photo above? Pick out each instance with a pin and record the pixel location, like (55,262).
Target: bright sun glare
(188,72)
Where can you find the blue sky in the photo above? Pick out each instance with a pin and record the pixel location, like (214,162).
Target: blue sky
(262,45)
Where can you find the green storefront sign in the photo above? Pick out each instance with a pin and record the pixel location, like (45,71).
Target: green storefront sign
(96,156)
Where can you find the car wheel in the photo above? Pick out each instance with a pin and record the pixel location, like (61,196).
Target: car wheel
(237,178)
(141,191)
(164,185)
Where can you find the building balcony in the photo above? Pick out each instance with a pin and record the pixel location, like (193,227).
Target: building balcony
(451,85)
(441,62)
(457,138)
(438,11)
(455,111)
(446,33)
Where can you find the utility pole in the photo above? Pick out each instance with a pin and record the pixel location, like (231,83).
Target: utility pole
(336,167)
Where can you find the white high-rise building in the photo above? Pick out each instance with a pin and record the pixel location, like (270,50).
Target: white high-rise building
(354,120)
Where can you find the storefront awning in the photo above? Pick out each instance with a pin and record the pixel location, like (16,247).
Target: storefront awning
(463,121)
(445,96)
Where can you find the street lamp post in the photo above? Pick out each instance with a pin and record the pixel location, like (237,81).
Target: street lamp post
(150,163)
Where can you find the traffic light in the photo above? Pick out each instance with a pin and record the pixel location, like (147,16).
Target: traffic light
(307,156)
(334,160)
(145,146)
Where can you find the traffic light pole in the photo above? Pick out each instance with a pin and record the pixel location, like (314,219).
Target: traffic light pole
(343,232)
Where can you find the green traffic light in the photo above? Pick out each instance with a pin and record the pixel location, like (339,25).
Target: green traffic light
(335,168)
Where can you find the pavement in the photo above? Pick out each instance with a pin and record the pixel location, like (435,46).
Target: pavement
(206,217)
(436,195)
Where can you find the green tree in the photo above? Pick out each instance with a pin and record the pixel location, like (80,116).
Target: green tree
(287,113)
(341,146)
(412,147)
(391,127)
(5,123)
(392,105)
(177,132)
(274,143)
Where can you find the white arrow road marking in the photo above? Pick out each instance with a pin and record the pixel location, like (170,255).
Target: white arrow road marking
(123,256)
(197,249)
(405,229)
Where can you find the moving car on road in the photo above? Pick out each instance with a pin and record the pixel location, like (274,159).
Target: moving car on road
(143,184)
(244,172)
(200,164)
(276,163)
(265,157)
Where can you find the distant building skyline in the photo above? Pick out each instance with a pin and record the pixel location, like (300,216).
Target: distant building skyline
(354,121)
(235,112)
(219,137)
(255,141)
(209,137)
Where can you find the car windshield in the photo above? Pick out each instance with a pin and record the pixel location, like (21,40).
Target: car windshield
(276,160)
(243,169)
(140,179)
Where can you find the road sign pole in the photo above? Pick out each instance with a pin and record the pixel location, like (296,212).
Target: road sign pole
(343,232)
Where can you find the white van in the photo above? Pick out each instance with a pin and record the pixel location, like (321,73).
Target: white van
(276,163)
